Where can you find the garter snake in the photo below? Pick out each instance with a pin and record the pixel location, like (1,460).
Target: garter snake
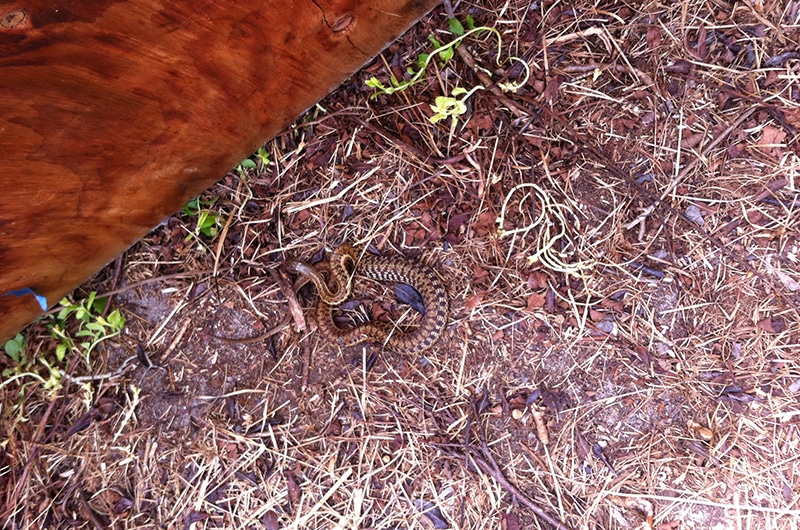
(344,262)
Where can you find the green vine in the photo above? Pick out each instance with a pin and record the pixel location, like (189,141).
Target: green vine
(449,106)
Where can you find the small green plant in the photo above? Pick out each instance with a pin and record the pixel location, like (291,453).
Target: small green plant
(24,367)
(247,163)
(258,160)
(451,106)
(448,106)
(77,327)
(15,348)
(262,156)
(92,327)
(208,222)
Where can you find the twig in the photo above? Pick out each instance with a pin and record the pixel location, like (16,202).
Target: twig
(491,468)
(114,283)
(99,377)
(134,285)
(484,460)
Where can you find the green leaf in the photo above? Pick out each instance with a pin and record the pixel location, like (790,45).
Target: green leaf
(446,54)
(207,223)
(447,107)
(192,206)
(263,156)
(92,328)
(83,314)
(67,309)
(116,320)
(15,347)
(373,82)
(100,304)
(61,352)
(470,22)
(456,27)
(248,163)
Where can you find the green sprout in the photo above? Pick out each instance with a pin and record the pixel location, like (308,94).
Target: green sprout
(15,348)
(208,222)
(24,368)
(258,160)
(450,106)
(78,329)
(445,52)
(92,327)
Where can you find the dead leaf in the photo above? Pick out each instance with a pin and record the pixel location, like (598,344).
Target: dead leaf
(456,221)
(702,48)
(614,305)
(510,521)
(270,520)
(787,281)
(485,223)
(754,216)
(535,301)
(772,141)
(692,140)
(694,214)
(551,91)
(653,37)
(771,325)
(517,402)
(482,121)
(471,303)
(772,188)
(540,279)
(596,315)
(292,488)
(479,274)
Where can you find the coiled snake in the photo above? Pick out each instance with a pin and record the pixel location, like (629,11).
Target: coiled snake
(343,263)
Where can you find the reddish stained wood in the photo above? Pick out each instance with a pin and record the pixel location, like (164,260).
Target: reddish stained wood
(113,114)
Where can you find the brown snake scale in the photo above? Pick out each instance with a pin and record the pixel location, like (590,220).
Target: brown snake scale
(346,260)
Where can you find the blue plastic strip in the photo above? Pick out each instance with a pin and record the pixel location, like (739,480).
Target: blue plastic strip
(27,290)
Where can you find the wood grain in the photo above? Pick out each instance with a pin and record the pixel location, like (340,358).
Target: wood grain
(114,114)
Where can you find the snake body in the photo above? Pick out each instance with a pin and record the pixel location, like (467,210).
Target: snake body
(347,260)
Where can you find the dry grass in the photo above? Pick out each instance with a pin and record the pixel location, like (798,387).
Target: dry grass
(659,356)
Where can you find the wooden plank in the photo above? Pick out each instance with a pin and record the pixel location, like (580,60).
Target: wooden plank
(113,114)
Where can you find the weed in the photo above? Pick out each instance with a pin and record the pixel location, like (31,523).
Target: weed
(78,328)
(208,222)
(451,106)
(92,327)
(258,160)
(448,106)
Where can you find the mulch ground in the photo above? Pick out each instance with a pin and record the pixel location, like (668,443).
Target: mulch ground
(619,236)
